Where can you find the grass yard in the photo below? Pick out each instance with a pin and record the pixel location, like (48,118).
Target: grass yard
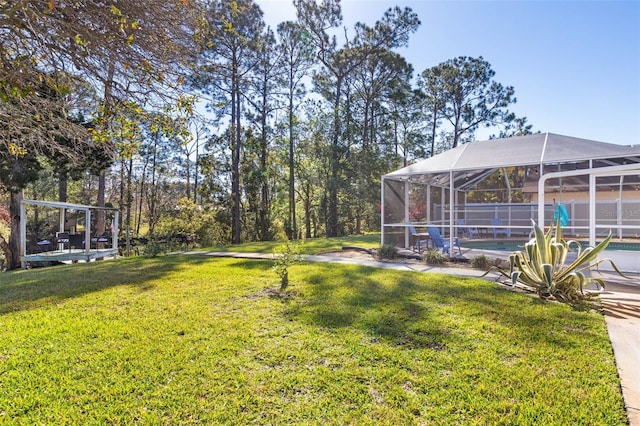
(195,340)
(309,246)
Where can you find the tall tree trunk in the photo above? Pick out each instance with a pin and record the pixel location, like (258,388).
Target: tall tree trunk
(307,211)
(332,217)
(102,178)
(123,202)
(62,190)
(188,173)
(129,201)
(456,130)
(12,252)
(265,207)
(365,127)
(195,172)
(153,193)
(141,198)
(236,148)
(433,129)
(292,184)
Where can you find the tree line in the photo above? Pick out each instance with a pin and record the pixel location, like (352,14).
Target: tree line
(196,117)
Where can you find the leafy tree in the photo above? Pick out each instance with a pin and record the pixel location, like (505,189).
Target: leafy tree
(391,31)
(129,50)
(467,96)
(409,125)
(215,166)
(296,61)
(227,40)
(312,166)
(26,152)
(517,127)
(432,85)
(375,83)
(263,85)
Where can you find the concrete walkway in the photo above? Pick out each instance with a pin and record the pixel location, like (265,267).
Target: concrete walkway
(621,302)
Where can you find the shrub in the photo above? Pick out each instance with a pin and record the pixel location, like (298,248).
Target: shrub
(481,262)
(435,257)
(388,251)
(541,266)
(153,248)
(188,218)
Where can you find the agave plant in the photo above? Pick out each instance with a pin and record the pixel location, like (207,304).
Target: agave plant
(542,265)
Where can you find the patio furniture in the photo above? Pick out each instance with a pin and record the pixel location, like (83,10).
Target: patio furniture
(104,238)
(467,231)
(62,238)
(421,239)
(498,228)
(76,241)
(44,244)
(439,242)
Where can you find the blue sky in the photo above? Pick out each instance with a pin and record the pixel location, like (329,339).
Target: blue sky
(575,65)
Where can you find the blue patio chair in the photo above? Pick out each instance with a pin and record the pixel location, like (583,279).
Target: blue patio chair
(419,244)
(498,228)
(439,242)
(467,231)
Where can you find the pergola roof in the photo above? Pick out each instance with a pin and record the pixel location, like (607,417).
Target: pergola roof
(473,161)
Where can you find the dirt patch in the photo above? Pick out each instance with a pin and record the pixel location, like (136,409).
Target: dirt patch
(353,254)
(360,254)
(273,293)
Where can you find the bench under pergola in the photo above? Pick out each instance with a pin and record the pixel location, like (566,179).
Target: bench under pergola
(90,246)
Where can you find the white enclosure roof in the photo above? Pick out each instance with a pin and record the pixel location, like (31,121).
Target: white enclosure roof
(67,206)
(541,148)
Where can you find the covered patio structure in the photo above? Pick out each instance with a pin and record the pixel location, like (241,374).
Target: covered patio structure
(70,235)
(502,184)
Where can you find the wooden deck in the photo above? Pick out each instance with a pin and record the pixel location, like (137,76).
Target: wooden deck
(69,255)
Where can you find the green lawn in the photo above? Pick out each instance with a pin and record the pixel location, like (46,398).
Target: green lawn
(199,340)
(309,246)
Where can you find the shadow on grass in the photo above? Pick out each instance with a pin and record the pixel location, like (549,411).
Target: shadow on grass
(426,310)
(29,289)
(360,297)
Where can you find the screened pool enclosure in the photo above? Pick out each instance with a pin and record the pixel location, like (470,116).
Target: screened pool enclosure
(500,185)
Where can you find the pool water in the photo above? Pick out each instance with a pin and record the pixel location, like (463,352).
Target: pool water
(495,245)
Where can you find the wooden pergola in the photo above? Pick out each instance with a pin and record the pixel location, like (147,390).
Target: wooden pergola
(59,253)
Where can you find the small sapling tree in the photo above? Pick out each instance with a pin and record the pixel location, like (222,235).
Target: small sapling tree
(286,255)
